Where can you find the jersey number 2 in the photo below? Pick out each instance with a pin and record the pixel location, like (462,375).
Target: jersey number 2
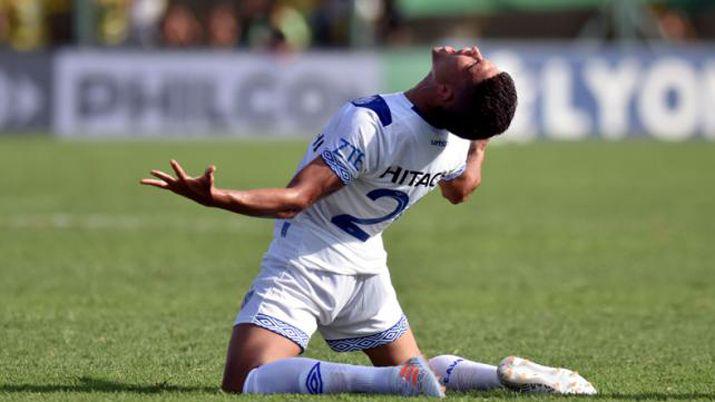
(349,223)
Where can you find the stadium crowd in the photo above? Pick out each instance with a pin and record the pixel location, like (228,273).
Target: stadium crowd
(251,24)
(298,24)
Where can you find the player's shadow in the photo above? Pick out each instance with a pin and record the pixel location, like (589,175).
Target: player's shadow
(650,396)
(94,385)
(658,396)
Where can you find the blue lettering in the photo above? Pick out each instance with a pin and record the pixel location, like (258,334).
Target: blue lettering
(449,370)
(355,157)
(358,160)
(343,143)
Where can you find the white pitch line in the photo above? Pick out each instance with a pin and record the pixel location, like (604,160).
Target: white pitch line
(125,222)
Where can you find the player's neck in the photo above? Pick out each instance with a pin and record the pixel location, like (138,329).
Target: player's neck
(422,97)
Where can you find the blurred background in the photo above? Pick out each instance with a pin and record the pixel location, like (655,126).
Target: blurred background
(147,68)
(284,25)
(589,245)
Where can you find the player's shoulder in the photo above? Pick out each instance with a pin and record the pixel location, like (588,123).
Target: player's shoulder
(373,108)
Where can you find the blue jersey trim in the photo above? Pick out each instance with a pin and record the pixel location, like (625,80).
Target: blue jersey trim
(280,327)
(455,174)
(423,117)
(318,142)
(370,341)
(378,105)
(337,166)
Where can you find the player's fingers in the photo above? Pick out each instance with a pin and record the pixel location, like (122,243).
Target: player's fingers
(210,174)
(163,176)
(179,170)
(155,183)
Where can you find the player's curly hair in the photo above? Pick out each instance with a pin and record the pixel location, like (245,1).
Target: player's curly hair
(483,110)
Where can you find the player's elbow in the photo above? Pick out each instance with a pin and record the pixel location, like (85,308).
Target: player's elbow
(461,193)
(455,194)
(457,197)
(297,202)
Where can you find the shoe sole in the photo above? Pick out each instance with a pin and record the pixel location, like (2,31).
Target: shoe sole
(526,376)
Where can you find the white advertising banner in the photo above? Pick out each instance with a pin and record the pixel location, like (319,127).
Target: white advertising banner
(668,94)
(574,90)
(135,94)
(566,92)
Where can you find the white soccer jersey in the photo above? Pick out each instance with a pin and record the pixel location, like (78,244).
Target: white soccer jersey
(388,157)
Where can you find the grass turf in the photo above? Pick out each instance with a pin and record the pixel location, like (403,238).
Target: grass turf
(595,256)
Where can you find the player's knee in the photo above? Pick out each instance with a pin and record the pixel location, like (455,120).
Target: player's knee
(234,378)
(233,384)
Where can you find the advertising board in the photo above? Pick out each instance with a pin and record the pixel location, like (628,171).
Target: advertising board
(25,92)
(180,94)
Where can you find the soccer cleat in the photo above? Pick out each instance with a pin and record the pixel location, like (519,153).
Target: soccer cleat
(416,378)
(526,376)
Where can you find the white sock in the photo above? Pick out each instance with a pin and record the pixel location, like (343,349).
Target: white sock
(308,376)
(460,374)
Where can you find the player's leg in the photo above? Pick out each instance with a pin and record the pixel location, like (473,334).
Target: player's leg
(274,326)
(310,376)
(252,346)
(460,374)
(363,326)
(262,362)
(454,372)
(371,320)
(275,323)
(397,344)
(396,352)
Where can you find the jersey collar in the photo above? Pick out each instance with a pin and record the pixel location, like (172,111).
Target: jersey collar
(421,115)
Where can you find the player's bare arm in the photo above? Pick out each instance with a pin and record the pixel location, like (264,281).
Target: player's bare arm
(312,183)
(459,189)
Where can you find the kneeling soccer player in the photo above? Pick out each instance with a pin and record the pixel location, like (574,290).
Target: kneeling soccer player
(326,267)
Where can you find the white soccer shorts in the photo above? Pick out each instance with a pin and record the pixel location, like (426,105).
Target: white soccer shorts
(352,312)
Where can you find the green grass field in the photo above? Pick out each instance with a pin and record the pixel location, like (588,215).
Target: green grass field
(595,256)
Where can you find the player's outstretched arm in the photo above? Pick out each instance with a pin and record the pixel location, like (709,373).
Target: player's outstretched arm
(459,189)
(314,181)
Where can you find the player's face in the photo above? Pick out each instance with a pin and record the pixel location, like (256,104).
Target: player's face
(455,67)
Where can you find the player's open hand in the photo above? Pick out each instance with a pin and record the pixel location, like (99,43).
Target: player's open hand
(199,189)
